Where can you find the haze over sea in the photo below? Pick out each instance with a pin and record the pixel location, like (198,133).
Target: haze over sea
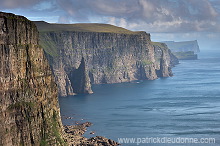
(185,105)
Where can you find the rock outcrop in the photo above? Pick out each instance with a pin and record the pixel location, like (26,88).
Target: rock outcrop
(80,79)
(29,110)
(111,55)
(73,135)
(165,59)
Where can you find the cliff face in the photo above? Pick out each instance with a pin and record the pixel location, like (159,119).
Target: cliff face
(185,46)
(80,79)
(184,50)
(165,59)
(110,57)
(29,111)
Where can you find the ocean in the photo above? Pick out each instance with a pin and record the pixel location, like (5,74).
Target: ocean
(186,105)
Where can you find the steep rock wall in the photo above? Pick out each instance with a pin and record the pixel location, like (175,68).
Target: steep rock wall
(165,59)
(109,57)
(29,110)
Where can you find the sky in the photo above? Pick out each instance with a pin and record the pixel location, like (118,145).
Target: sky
(176,20)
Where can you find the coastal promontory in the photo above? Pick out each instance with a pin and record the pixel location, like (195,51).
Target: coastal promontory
(29,109)
(110,54)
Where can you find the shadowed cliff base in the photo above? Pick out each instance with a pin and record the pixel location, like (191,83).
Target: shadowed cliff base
(113,55)
(80,80)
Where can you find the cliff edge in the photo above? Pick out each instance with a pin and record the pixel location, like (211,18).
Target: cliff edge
(29,110)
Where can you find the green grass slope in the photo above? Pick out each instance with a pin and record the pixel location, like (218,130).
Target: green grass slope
(82,27)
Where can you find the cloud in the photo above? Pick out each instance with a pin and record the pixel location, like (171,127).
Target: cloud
(148,15)
(63,19)
(11,4)
(123,22)
(112,20)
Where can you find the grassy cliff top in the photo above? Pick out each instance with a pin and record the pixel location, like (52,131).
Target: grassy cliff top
(82,27)
(159,44)
(13,16)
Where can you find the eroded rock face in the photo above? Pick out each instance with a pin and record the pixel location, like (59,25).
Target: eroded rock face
(109,57)
(80,79)
(29,110)
(165,60)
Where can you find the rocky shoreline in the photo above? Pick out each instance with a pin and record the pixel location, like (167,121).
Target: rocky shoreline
(73,135)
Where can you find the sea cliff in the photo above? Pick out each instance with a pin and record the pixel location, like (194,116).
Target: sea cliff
(110,55)
(183,46)
(186,50)
(29,109)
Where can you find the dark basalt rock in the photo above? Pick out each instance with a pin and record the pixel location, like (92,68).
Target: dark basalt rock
(80,80)
(73,135)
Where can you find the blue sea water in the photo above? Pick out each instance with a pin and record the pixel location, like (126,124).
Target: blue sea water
(185,105)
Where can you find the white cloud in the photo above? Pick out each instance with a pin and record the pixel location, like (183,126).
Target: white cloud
(112,20)
(148,15)
(123,23)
